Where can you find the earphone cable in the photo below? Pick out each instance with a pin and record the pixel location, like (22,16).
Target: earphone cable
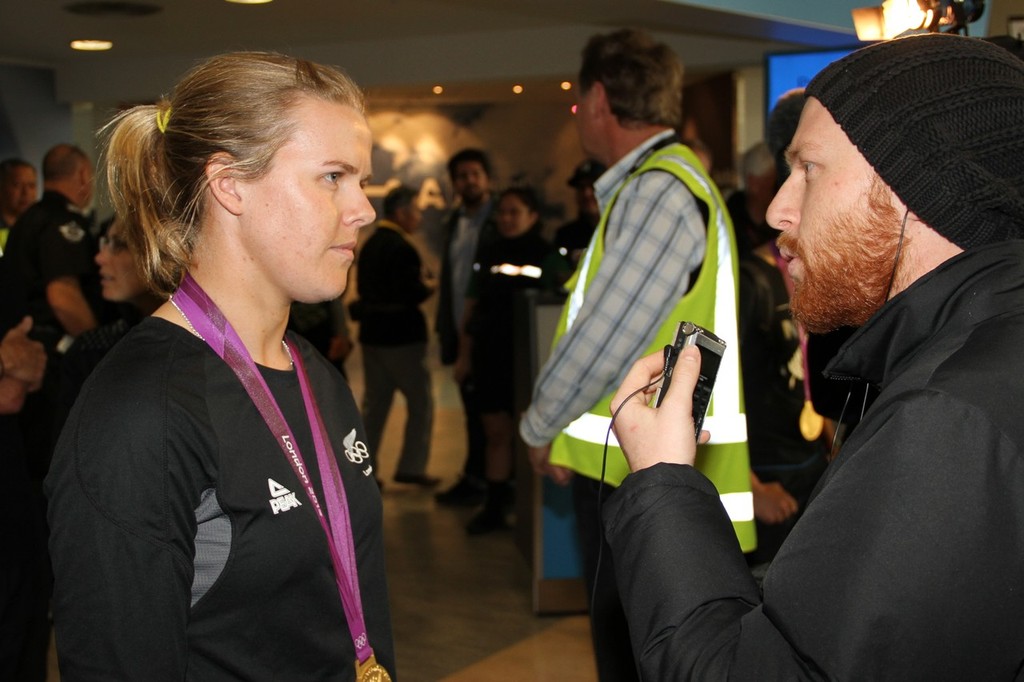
(600,487)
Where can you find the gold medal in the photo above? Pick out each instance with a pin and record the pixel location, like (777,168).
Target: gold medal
(371,671)
(811,423)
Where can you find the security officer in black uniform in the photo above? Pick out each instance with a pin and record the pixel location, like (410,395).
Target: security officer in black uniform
(52,248)
(49,274)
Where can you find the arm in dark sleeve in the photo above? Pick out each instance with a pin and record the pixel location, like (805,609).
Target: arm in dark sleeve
(121,545)
(693,609)
(390,272)
(409,274)
(66,251)
(907,565)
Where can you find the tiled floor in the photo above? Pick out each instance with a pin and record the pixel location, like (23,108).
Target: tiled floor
(461,605)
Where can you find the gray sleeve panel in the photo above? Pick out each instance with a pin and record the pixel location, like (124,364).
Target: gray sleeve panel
(213,543)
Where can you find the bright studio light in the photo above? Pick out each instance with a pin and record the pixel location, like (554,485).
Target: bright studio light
(895,17)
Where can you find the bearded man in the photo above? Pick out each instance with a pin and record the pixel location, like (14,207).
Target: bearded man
(904,215)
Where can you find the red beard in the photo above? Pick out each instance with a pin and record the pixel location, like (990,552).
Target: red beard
(848,274)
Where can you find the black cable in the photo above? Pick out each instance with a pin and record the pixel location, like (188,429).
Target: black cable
(604,465)
(899,250)
(839,425)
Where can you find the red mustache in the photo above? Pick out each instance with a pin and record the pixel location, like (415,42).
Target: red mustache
(788,246)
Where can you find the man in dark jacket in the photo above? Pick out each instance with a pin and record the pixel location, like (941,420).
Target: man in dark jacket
(469,227)
(904,215)
(393,334)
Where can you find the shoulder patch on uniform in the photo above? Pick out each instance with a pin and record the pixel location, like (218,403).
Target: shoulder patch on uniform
(72,232)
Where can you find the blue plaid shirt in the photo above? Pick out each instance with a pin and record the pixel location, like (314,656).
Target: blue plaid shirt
(654,241)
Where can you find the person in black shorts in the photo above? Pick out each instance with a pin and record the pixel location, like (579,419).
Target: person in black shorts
(519,259)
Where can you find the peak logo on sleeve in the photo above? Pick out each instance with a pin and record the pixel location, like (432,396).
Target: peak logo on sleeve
(281,499)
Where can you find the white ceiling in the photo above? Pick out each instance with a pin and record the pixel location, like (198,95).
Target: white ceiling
(477,48)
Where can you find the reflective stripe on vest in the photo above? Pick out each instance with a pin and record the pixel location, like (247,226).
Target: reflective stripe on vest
(593,428)
(739,506)
(726,396)
(576,297)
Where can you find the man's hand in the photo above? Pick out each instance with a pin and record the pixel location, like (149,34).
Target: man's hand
(540,459)
(651,435)
(23,358)
(772,504)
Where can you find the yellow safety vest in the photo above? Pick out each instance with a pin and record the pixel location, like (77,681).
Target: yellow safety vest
(711,302)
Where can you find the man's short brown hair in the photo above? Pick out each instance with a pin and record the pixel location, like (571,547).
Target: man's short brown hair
(642,78)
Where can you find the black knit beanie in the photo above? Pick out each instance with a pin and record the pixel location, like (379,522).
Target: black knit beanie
(941,119)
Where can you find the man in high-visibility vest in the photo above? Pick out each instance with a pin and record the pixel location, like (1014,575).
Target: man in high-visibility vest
(663,252)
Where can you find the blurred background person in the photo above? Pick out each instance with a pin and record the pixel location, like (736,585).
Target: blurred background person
(48,274)
(19,188)
(467,229)
(519,259)
(51,251)
(572,238)
(53,246)
(393,335)
(122,284)
(749,205)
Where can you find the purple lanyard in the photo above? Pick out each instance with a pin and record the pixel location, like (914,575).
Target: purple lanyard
(211,326)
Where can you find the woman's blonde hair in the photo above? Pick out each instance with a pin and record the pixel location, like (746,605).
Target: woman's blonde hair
(156,156)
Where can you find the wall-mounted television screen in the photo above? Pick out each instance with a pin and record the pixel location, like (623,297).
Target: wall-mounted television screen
(787,70)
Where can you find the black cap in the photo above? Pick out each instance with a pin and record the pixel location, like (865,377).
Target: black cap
(941,120)
(586,173)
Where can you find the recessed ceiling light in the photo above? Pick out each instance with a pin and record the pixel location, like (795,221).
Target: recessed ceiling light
(250,2)
(518,89)
(438,89)
(91,45)
(566,85)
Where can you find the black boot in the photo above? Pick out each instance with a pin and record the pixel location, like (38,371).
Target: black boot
(492,516)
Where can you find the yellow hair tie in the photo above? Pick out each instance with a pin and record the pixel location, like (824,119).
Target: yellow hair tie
(162,119)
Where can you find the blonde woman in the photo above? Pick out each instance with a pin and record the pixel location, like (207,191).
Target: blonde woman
(213,512)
